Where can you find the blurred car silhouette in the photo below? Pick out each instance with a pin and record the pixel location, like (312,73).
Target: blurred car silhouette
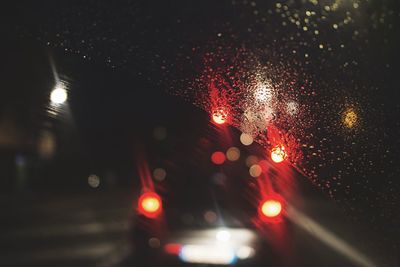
(202,213)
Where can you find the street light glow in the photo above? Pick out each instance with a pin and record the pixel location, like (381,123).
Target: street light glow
(58,95)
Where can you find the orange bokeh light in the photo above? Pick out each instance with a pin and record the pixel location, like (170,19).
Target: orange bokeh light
(278,154)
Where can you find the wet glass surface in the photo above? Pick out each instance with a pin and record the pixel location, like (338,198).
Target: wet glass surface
(93,89)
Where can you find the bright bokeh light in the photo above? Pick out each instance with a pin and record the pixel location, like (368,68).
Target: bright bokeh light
(150,204)
(218,157)
(219,246)
(245,252)
(219,119)
(271,208)
(292,108)
(212,254)
(255,119)
(246,139)
(278,154)
(350,118)
(223,236)
(263,92)
(255,170)
(94,180)
(220,116)
(58,95)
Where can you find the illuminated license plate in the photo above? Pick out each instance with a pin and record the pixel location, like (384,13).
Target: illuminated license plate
(207,254)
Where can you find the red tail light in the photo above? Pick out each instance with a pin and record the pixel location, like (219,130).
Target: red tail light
(271,209)
(150,204)
(173,248)
(220,116)
(278,154)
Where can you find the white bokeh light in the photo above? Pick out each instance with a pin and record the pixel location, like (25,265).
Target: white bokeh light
(94,180)
(245,252)
(263,92)
(58,95)
(292,108)
(246,139)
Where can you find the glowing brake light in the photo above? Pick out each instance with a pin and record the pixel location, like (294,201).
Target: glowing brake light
(220,116)
(271,209)
(278,154)
(173,248)
(150,204)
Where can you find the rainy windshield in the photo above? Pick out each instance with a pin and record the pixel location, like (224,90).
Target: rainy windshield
(124,123)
